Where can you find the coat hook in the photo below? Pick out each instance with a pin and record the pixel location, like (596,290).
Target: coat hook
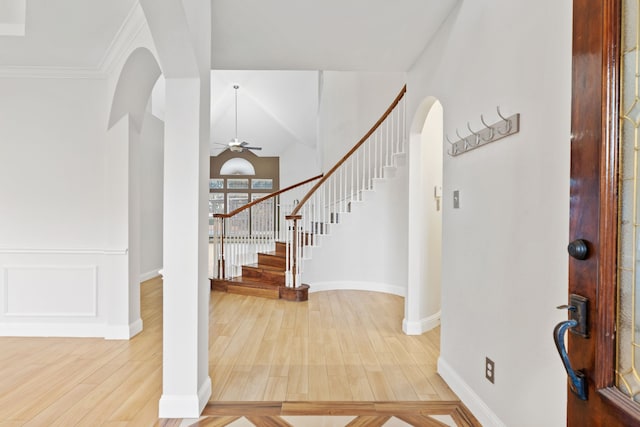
(465,143)
(501,116)
(476,134)
(507,128)
(491,129)
(454,150)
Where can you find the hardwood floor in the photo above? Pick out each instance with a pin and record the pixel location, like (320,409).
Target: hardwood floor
(344,346)
(85,381)
(339,345)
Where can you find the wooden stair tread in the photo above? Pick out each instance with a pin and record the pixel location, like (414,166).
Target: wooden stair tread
(273,253)
(271,268)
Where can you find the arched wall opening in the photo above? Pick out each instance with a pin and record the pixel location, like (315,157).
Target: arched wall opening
(135,179)
(422,303)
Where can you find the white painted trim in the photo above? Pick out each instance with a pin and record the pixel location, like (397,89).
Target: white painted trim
(185,406)
(66,330)
(123,332)
(93,312)
(135,328)
(358,286)
(124,38)
(150,274)
(62,251)
(482,412)
(204,393)
(122,41)
(421,326)
(35,72)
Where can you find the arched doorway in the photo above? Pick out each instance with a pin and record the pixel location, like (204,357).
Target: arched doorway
(135,140)
(422,304)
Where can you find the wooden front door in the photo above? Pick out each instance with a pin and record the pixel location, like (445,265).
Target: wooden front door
(598,116)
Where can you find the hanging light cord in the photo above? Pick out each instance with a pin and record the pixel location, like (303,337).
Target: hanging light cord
(236,88)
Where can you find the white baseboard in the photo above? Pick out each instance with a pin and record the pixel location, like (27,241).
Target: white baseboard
(135,328)
(204,393)
(185,406)
(421,326)
(358,286)
(150,274)
(480,410)
(123,332)
(62,329)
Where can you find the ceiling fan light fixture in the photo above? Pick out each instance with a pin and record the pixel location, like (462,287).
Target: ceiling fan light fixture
(235,144)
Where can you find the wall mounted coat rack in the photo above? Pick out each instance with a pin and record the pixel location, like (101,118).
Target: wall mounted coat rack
(490,133)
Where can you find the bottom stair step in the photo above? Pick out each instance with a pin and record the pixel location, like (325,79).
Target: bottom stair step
(253,291)
(237,286)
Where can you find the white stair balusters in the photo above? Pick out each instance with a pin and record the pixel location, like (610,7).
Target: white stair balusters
(239,236)
(334,193)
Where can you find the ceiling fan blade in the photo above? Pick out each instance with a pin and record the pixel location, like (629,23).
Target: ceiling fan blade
(221,144)
(252,148)
(244,143)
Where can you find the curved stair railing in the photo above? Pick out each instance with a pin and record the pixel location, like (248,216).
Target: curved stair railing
(344,184)
(240,235)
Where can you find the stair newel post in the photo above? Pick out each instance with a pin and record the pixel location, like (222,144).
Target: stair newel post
(220,232)
(293,253)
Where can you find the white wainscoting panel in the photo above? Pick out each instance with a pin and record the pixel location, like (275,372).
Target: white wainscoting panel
(51,291)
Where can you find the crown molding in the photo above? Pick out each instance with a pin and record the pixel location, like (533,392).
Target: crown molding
(119,46)
(131,27)
(37,72)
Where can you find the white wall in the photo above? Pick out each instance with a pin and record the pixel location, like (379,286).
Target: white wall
(64,189)
(298,163)
(367,249)
(151,186)
(424,217)
(53,253)
(350,104)
(375,233)
(504,259)
(51,148)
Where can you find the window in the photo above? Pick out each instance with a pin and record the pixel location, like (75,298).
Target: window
(238,178)
(216,184)
(262,184)
(237,183)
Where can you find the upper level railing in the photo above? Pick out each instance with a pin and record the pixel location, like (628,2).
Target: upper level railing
(239,235)
(345,182)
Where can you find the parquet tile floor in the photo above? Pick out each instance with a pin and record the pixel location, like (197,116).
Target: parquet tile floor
(334,414)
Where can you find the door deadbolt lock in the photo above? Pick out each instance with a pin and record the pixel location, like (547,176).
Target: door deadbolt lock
(578,249)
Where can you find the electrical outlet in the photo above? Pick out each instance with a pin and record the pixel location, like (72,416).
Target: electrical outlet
(490,370)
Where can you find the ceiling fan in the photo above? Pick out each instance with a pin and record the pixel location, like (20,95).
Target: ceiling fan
(235,145)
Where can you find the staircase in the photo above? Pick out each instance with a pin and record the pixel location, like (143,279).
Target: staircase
(266,278)
(262,255)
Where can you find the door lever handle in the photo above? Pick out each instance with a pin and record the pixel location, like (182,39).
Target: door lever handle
(577,378)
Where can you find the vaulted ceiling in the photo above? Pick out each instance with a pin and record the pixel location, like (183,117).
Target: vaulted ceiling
(299,36)
(64,34)
(370,35)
